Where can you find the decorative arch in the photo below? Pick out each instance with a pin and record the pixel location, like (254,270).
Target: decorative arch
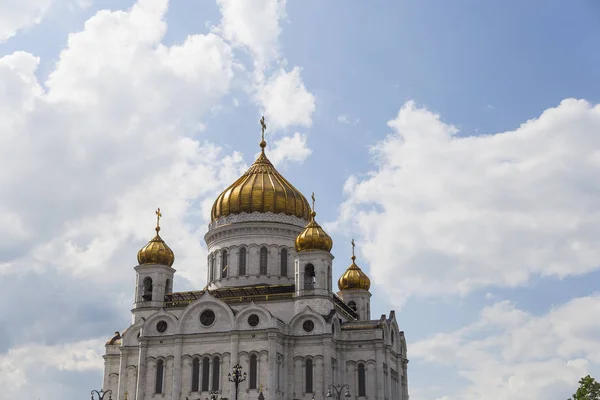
(283,261)
(147,287)
(129,337)
(298,319)
(242,261)
(265,317)
(189,319)
(263,260)
(149,327)
(224,263)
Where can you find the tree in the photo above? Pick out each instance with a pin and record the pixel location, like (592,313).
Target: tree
(588,389)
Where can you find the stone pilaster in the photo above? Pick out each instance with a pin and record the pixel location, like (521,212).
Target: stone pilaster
(141,382)
(176,389)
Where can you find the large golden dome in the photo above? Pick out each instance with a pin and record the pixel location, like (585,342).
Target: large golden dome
(156,251)
(354,277)
(313,237)
(261,189)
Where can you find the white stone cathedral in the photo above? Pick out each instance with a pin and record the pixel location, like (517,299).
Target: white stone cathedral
(269,306)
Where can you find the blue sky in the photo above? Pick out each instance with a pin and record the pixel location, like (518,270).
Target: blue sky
(409,120)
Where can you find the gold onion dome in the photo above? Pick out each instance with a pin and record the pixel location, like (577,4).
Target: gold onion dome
(261,189)
(313,237)
(156,251)
(354,277)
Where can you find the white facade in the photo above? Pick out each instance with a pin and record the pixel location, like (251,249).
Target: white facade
(266,307)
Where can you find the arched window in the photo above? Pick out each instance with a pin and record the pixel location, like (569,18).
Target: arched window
(224,264)
(242,262)
(147,296)
(253,370)
(284,262)
(263,260)
(352,305)
(392,339)
(160,369)
(168,287)
(205,373)
(309,276)
(211,268)
(195,374)
(216,372)
(361,380)
(309,376)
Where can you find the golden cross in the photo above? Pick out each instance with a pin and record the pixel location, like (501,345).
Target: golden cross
(313,200)
(125,395)
(353,247)
(264,127)
(260,387)
(158,215)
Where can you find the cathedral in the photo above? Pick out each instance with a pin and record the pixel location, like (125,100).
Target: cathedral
(269,323)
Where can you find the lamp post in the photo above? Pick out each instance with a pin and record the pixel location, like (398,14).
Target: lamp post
(337,391)
(236,377)
(213,395)
(101,394)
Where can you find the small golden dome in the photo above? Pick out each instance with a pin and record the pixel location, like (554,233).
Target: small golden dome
(354,277)
(313,237)
(156,251)
(261,189)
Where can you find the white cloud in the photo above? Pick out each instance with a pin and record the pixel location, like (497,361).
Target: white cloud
(454,214)
(21,14)
(286,101)
(32,368)
(254,24)
(510,354)
(290,149)
(345,119)
(88,155)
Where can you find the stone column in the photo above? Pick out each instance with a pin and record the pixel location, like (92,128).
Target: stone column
(122,378)
(327,373)
(141,381)
(234,346)
(176,389)
(379,368)
(210,374)
(272,366)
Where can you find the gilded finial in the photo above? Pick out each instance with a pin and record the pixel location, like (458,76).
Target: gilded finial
(260,387)
(313,214)
(263,125)
(125,395)
(158,216)
(353,256)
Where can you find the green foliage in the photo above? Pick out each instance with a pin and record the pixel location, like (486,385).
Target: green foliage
(589,389)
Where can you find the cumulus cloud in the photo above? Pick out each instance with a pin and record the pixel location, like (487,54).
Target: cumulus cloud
(290,149)
(22,14)
(254,24)
(88,155)
(510,354)
(37,369)
(286,101)
(454,214)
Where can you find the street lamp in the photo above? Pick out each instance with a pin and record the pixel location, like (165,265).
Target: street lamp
(213,395)
(337,391)
(101,394)
(236,377)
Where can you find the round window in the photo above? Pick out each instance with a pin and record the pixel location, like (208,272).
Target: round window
(308,325)
(161,326)
(207,317)
(253,320)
